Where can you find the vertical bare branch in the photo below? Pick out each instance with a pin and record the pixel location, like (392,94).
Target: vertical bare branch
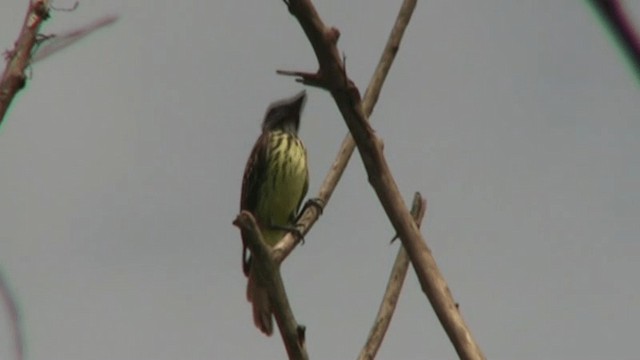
(332,77)
(392,293)
(14,77)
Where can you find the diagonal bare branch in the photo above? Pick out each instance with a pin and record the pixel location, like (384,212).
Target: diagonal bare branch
(312,213)
(619,22)
(31,46)
(14,77)
(332,76)
(392,293)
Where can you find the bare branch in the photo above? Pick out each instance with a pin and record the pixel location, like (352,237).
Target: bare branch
(332,76)
(388,55)
(614,15)
(312,213)
(14,78)
(392,293)
(268,275)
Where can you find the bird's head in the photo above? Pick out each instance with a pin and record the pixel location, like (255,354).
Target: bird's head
(285,114)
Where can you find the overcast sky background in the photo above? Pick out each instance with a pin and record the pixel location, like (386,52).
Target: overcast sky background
(121,165)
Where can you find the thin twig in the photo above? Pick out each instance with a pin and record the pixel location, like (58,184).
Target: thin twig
(14,77)
(14,317)
(268,276)
(394,286)
(333,78)
(57,42)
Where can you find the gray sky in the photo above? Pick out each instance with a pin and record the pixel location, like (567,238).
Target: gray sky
(121,166)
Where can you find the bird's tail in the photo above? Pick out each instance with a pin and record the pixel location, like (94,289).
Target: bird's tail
(259,299)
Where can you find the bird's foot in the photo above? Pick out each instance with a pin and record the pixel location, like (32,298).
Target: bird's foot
(315,202)
(289,228)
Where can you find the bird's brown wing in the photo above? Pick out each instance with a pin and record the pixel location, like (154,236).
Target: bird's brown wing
(296,214)
(254,173)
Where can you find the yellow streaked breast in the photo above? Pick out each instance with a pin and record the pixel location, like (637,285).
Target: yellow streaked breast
(284,184)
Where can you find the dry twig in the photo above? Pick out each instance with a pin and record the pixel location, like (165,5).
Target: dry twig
(392,293)
(57,42)
(18,59)
(312,213)
(13,80)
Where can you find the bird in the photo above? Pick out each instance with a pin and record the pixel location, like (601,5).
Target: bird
(275,181)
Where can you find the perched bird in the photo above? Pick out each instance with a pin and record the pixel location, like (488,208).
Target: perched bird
(276,179)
